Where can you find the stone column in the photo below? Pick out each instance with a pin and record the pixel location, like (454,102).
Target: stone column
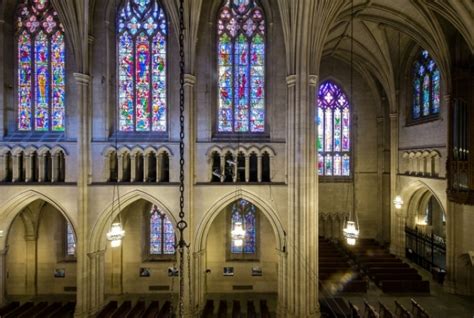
(28,162)
(301,294)
(41,168)
(16,168)
(235,168)
(96,266)
(3,276)
(222,167)
(3,166)
(133,167)
(247,168)
(159,162)
(107,166)
(31,264)
(394,232)
(120,167)
(259,167)
(84,280)
(146,166)
(54,167)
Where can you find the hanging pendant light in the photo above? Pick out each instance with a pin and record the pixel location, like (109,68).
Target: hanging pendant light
(116,234)
(398,202)
(351,230)
(238,234)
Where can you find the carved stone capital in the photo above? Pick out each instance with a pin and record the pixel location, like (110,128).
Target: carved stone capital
(82,79)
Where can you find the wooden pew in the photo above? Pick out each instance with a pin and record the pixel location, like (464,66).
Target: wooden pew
(236,309)
(222,312)
(19,310)
(384,312)
(208,309)
(334,307)
(165,311)
(48,310)
(36,308)
(417,310)
(401,312)
(65,311)
(152,310)
(137,310)
(264,312)
(385,270)
(355,312)
(395,276)
(123,310)
(403,286)
(251,312)
(9,307)
(108,310)
(369,311)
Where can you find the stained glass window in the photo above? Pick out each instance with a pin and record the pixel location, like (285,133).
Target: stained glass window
(162,237)
(241,67)
(333,140)
(244,212)
(426,87)
(70,240)
(141,51)
(41,67)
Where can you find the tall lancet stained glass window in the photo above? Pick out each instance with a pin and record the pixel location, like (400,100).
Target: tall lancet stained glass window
(241,67)
(70,240)
(245,213)
(141,51)
(334,125)
(426,87)
(162,236)
(41,62)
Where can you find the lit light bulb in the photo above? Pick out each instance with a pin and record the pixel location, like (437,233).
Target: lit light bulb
(351,233)
(115,235)
(398,202)
(238,234)
(1,233)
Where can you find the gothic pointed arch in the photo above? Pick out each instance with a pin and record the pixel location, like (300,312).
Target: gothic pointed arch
(142,30)
(334,131)
(241,67)
(41,67)
(426,87)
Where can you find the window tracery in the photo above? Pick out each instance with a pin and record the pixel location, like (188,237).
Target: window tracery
(334,125)
(142,66)
(241,67)
(41,67)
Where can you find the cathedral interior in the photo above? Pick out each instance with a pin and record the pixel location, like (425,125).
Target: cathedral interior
(236,158)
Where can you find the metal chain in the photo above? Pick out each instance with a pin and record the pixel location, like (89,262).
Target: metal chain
(182,225)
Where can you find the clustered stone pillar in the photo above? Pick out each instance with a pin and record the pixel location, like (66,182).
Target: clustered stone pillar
(301,290)
(2,276)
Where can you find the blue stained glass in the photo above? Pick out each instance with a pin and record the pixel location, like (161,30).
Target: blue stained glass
(70,240)
(244,212)
(162,235)
(333,140)
(142,67)
(241,67)
(426,87)
(41,68)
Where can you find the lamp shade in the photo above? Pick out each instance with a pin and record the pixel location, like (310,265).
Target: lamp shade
(351,233)
(398,202)
(115,235)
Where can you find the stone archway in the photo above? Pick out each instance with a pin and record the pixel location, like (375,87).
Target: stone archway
(202,232)
(9,213)
(98,242)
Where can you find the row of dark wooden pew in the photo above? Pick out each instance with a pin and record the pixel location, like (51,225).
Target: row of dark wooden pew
(222,310)
(388,272)
(336,272)
(38,310)
(383,312)
(139,310)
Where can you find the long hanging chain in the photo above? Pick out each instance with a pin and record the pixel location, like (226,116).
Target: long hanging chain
(182,224)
